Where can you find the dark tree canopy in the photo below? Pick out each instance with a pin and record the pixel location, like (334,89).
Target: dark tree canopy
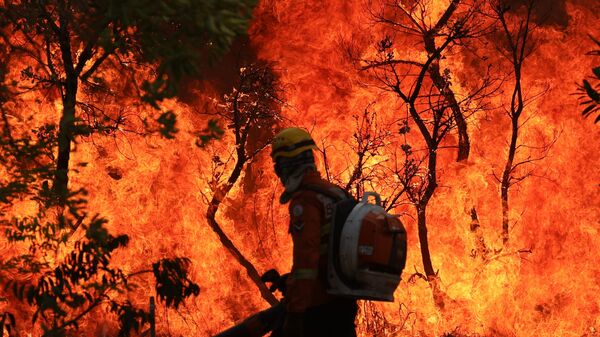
(79,38)
(108,47)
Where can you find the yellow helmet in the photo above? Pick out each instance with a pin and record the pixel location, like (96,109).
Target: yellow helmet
(290,142)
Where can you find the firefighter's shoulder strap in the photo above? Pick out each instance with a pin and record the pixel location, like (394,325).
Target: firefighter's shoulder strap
(333,192)
(335,198)
(337,209)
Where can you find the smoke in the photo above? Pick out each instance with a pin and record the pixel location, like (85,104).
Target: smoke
(546,12)
(219,75)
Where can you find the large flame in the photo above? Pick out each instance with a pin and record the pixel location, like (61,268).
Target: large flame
(544,284)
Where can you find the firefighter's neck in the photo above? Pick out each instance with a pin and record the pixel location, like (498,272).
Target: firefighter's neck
(294,180)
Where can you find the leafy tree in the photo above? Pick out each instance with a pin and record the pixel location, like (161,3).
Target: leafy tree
(62,278)
(589,90)
(72,45)
(77,51)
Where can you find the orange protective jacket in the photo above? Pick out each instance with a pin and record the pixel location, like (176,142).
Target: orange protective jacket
(310,215)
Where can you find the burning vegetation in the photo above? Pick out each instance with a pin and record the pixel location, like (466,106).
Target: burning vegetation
(133,162)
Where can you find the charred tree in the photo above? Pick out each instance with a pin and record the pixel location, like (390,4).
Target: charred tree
(367,169)
(412,19)
(516,30)
(481,250)
(249,110)
(430,106)
(443,84)
(420,192)
(367,143)
(430,109)
(517,43)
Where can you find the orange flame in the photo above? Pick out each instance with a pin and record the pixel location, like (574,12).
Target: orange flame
(544,284)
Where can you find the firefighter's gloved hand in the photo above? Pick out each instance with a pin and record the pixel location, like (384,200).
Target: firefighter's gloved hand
(281,284)
(278,282)
(293,326)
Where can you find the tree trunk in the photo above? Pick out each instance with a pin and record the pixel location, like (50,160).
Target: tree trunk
(439,297)
(65,136)
(69,99)
(480,250)
(464,144)
(227,243)
(423,240)
(211,213)
(422,210)
(506,179)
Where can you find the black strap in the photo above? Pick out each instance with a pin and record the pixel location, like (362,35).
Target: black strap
(292,147)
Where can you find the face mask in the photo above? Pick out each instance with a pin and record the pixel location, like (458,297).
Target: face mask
(287,167)
(278,169)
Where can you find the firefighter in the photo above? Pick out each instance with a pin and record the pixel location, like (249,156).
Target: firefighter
(310,310)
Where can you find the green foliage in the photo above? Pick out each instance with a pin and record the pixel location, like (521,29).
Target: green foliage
(62,291)
(159,42)
(130,318)
(26,161)
(589,90)
(212,132)
(64,268)
(173,285)
(167,122)
(64,48)
(80,281)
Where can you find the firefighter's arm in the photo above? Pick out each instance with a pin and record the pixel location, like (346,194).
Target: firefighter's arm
(305,225)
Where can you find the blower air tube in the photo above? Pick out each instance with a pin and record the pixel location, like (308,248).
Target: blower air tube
(258,324)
